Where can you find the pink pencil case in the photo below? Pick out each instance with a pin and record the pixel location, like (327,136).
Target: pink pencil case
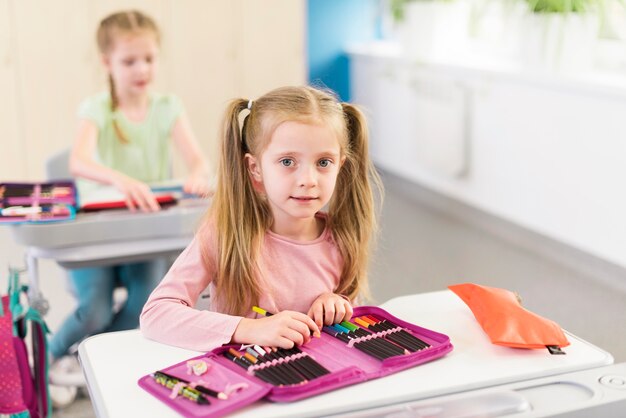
(345,364)
(37,202)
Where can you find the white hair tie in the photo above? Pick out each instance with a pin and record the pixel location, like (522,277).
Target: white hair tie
(249,104)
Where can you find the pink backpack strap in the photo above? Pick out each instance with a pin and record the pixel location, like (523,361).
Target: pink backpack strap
(11,390)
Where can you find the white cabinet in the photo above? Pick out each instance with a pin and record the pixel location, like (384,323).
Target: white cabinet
(418,118)
(547,153)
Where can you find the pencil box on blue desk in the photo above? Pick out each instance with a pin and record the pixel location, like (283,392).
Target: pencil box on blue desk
(37,202)
(322,365)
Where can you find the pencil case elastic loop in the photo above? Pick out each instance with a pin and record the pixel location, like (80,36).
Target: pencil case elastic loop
(176,390)
(296,356)
(380,334)
(260,366)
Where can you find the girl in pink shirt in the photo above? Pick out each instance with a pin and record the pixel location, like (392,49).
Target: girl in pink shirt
(265,240)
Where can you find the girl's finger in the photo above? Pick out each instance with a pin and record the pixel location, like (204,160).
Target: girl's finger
(282,342)
(301,328)
(291,334)
(349,311)
(130,203)
(340,311)
(137,199)
(317,313)
(310,323)
(329,312)
(150,200)
(154,205)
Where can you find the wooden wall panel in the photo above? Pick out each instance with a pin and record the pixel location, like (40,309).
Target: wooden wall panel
(12,146)
(201,50)
(53,50)
(272,45)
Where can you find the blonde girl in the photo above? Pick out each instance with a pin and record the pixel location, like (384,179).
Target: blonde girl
(124,139)
(125,134)
(266,240)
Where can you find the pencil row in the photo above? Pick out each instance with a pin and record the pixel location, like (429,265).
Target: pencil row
(378,338)
(277,366)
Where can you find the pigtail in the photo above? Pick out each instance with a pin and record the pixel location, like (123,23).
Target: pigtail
(353,212)
(240,216)
(114,103)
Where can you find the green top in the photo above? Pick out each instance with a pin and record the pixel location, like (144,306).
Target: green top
(147,154)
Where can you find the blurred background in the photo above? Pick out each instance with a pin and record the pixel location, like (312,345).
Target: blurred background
(498,127)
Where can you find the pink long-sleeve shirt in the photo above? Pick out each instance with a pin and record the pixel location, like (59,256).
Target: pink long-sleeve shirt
(293,274)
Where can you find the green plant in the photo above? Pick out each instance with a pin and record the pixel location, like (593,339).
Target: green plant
(397,8)
(561,6)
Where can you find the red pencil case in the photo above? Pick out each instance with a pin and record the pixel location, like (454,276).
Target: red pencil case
(37,202)
(346,364)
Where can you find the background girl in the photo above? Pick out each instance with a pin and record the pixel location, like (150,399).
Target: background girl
(266,240)
(124,139)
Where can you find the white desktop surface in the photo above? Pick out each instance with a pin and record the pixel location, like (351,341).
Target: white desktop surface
(114,362)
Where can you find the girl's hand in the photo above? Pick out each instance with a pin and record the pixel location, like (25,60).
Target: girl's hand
(329,309)
(198,185)
(284,330)
(136,194)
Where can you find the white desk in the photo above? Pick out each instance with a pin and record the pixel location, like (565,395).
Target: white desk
(107,238)
(113,363)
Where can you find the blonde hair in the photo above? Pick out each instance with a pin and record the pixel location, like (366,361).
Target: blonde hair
(242,216)
(126,22)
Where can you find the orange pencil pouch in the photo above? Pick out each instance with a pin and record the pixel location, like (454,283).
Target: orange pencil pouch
(506,322)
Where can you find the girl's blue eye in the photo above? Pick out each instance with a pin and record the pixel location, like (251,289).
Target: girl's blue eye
(286,162)
(324,163)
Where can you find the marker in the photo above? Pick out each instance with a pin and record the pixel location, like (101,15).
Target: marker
(383,343)
(307,361)
(284,376)
(402,337)
(199,388)
(185,391)
(267,355)
(261,311)
(335,332)
(263,374)
(383,324)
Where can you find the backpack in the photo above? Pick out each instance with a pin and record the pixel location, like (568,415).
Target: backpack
(23,386)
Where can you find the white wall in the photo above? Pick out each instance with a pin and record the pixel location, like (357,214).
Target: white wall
(541,151)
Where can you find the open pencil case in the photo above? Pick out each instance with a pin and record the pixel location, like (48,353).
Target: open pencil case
(323,364)
(37,202)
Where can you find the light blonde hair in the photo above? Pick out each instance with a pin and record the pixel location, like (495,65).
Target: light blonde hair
(122,23)
(242,216)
